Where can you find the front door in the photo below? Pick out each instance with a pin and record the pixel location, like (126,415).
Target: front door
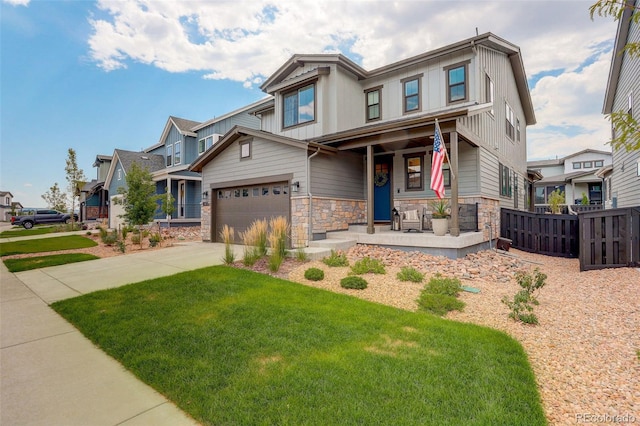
(382,189)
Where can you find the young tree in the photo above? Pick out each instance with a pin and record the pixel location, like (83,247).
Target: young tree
(138,198)
(56,199)
(75,179)
(628,129)
(167,204)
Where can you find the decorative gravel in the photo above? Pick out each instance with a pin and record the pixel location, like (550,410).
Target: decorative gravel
(586,350)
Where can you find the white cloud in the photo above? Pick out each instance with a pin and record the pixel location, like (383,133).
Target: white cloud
(245,41)
(17,2)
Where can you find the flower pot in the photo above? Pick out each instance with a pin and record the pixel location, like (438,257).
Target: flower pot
(440,226)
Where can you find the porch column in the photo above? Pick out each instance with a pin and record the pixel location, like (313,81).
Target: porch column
(168,189)
(532,196)
(370,228)
(455,222)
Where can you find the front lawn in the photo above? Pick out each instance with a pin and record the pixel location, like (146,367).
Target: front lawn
(42,245)
(21,232)
(230,346)
(28,263)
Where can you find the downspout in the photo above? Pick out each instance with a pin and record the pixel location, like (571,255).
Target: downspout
(310,236)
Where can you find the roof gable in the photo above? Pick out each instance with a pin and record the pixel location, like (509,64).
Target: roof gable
(185,127)
(126,159)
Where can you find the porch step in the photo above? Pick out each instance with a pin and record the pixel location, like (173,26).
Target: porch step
(333,243)
(362,229)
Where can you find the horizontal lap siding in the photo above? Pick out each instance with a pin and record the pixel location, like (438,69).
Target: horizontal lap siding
(339,176)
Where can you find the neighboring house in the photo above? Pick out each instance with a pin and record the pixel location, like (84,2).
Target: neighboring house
(181,143)
(7,206)
(623,94)
(341,145)
(94,196)
(574,175)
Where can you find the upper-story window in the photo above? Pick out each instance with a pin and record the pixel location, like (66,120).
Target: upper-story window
(299,106)
(204,144)
(509,121)
(518,129)
(245,150)
(489,91)
(577,165)
(456,83)
(169,155)
(587,164)
(598,163)
(411,94)
(374,108)
(177,154)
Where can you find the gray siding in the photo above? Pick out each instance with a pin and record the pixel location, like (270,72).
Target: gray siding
(115,183)
(489,180)
(626,183)
(338,176)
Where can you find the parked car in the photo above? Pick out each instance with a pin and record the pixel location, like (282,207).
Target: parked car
(41,216)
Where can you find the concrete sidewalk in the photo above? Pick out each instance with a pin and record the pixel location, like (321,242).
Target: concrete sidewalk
(50,373)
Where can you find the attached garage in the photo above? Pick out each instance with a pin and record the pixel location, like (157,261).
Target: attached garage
(239,206)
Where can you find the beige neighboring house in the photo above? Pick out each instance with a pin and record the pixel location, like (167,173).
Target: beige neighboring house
(574,175)
(622,94)
(7,205)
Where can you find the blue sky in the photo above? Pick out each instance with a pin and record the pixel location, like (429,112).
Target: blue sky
(100,75)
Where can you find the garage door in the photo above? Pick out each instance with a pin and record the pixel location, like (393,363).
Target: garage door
(238,207)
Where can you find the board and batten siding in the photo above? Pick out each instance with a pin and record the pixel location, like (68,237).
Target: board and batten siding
(267,159)
(626,183)
(337,176)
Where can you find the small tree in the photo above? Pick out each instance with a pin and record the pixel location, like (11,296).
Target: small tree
(138,198)
(167,204)
(56,199)
(556,200)
(75,179)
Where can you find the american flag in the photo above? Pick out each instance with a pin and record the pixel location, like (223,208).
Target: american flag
(439,153)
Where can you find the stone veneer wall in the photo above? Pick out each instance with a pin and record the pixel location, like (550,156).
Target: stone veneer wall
(205,221)
(488,212)
(329,214)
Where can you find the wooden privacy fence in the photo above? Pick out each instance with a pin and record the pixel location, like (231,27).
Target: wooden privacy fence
(609,238)
(601,239)
(550,234)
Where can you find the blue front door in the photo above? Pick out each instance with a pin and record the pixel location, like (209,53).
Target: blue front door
(382,190)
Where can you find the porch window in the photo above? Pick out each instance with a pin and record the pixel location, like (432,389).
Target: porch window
(299,106)
(509,121)
(177,154)
(411,94)
(169,155)
(505,181)
(374,110)
(457,83)
(414,166)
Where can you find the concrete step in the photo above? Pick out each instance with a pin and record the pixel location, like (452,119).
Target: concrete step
(334,243)
(362,229)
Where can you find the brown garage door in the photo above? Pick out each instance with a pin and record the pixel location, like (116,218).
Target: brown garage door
(240,206)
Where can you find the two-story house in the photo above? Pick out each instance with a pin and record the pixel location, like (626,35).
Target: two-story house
(622,94)
(341,145)
(94,197)
(181,143)
(7,206)
(575,175)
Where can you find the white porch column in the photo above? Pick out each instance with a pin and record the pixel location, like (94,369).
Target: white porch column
(370,227)
(455,222)
(168,217)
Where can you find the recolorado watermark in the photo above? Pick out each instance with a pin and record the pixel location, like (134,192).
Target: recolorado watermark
(606,418)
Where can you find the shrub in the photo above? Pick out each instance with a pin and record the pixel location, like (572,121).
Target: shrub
(122,247)
(354,282)
(314,274)
(439,304)
(410,274)
(336,259)
(556,200)
(108,238)
(520,306)
(154,239)
(228,237)
(443,285)
(367,265)
(135,239)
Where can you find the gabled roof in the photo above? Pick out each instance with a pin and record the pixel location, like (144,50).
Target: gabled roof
(488,39)
(561,161)
(101,159)
(624,23)
(249,109)
(5,193)
(184,126)
(238,131)
(151,162)
(567,177)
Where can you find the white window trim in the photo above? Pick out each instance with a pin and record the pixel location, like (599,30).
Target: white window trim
(177,161)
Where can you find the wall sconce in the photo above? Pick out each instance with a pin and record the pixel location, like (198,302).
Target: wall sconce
(205,195)
(295,186)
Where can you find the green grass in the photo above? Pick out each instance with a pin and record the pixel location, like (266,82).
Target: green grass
(26,264)
(21,232)
(42,245)
(230,346)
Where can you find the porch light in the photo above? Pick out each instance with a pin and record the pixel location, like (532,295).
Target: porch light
(205,195)
(295,186)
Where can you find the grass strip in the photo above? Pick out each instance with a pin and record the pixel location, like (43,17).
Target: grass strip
(231,346)
(28,263)
(40,230)
(41,245)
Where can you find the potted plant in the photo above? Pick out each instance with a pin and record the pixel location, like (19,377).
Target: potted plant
(440,217)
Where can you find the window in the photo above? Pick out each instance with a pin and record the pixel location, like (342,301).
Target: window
(204,144)
(598,163)
(518,129)
(177,159)
(374,111)
(245,150)
(299,106)
(411,94)
(119,174)
(587,164)
(509,121)
(577,165)
(256,192)
(169,155)
(413,164)
(489,91)
(505,181)
(457,83)
(630,104)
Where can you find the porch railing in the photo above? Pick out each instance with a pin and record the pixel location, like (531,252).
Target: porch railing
(182,211)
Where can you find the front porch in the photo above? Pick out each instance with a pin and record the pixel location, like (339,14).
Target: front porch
(449,246)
